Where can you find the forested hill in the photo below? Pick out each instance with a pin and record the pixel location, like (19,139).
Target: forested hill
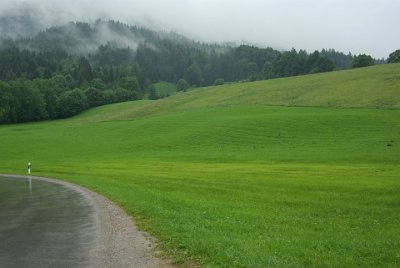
(169,56)
(63,70)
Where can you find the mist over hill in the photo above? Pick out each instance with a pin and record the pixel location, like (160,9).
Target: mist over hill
(78,38)
(312,25)
(28,28)
(42,26)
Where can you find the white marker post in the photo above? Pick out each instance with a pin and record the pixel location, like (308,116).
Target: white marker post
(30,179)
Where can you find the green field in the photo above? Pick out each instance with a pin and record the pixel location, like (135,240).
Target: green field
(243,175)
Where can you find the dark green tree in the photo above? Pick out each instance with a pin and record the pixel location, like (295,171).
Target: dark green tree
(287,64)
(29,104)
(339,59)
(84,70)
(131,83)
(317,63)
(362,60)
(266,71)
(98,83)
(51,101)
(72,102)
(394,57)
(122,94)
(219,82)
(58,83)
(153,93)
(182,85)
(7,113)
(95,97)
(194,75)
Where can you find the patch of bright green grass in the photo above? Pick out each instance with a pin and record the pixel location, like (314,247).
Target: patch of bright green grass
(227,182)
(248,186)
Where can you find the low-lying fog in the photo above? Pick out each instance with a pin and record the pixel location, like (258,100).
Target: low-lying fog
(358,26)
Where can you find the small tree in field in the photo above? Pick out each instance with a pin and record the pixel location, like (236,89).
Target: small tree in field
(362,60)
(182,85)
(219,82)
(95,97)
(394,57)
(72,102)
(153,93)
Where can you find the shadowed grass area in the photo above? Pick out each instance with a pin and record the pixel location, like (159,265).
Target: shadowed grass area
(228,183)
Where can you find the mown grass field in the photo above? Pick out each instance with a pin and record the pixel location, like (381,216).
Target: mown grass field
(224,179)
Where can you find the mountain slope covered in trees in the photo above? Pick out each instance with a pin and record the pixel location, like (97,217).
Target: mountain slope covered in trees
(66,69)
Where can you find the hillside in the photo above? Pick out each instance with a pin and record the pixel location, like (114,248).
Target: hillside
(224,179)
(61,69)
(372,87)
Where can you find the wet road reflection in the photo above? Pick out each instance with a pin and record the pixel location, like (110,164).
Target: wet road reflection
(43,224)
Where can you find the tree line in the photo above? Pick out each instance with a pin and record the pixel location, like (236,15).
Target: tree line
(45,86)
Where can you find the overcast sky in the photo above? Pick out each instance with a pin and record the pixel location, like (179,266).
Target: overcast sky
(358,26)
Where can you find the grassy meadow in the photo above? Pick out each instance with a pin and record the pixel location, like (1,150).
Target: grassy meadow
(293,172)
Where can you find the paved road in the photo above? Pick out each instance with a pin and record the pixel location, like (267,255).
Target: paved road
(43,224)
(51,223)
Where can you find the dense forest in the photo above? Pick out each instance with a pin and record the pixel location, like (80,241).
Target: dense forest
(64,70)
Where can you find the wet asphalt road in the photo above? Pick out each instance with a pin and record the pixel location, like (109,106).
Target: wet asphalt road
(43,224)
